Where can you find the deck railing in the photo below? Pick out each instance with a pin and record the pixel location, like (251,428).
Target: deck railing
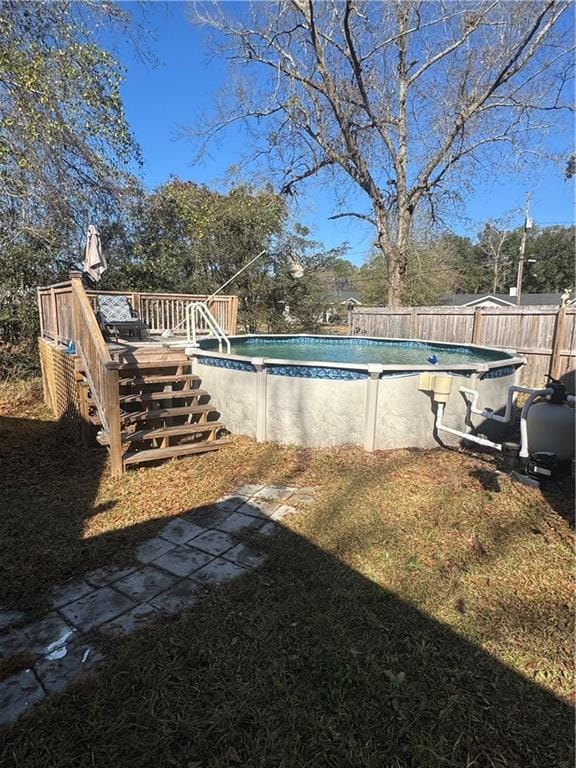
(160,311)
(99,368)
(167,311)
(55,310)
(67,315)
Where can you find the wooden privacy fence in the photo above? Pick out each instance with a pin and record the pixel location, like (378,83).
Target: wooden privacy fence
(546,336)
(160,311)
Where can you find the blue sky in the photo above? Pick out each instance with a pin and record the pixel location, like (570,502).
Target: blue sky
(161,98)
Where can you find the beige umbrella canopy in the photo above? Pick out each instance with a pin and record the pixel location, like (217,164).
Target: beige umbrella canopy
(94,260)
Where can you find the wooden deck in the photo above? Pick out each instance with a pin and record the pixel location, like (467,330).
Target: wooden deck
(138,398)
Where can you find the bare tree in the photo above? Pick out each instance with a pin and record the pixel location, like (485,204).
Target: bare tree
(492,242)
(408,101)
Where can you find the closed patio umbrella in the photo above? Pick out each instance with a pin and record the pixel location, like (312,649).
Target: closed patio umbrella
(94,260)
(296,267)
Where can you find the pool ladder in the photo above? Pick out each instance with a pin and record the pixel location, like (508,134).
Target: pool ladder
(198,311)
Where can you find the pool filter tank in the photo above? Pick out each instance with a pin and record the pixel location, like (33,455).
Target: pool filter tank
(552,426)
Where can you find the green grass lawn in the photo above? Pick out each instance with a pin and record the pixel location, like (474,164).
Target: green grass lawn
(418,614)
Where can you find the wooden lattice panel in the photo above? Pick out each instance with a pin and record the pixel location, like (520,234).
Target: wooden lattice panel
(60,386)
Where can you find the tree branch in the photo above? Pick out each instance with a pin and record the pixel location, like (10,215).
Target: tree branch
(362,216)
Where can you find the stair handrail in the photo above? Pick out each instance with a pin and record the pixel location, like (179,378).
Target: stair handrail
(201,309)
(100,369)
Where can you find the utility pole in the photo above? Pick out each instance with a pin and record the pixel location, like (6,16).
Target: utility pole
(527,226)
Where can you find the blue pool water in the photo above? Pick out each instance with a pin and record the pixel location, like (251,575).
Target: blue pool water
(357,350)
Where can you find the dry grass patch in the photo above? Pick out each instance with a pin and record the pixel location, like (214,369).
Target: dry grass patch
(419,614)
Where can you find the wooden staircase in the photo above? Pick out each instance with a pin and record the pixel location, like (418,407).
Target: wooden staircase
(164,412)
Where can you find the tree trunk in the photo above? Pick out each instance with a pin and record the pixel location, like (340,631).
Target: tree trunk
(395,253)
(495,275)
(397,263)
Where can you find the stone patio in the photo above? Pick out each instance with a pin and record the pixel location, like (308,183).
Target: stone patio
(191,552)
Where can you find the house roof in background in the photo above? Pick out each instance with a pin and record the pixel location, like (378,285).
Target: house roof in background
(341,290)
(504,299)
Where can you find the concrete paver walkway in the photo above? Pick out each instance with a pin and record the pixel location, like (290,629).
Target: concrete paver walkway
(193,550)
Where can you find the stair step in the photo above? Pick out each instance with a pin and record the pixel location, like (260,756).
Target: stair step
(161,432)
(136,365)
(165,413)
(156,454)
(175,394)
(182,429)
(166,379)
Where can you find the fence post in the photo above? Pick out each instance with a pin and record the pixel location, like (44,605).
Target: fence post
(413,324)
(477,326)
(556,356)
(74,305)
(232,315)
(40,312)
(55,315)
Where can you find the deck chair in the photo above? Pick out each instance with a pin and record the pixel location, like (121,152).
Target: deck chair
(117,318)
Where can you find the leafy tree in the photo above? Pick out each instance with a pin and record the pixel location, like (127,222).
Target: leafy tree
(342,268)
(65,145)
(452,263)
(301,302)
(470,272)
(27,262)
(186,238)
(401,102)
(549,259)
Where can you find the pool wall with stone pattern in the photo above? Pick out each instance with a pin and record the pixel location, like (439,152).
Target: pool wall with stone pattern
(323,404)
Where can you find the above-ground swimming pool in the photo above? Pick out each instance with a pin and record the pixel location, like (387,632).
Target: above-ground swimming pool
(322,391)
(354,349)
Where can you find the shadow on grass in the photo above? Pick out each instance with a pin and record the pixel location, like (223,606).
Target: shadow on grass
(48,494)
(487,478)
(559,491)
(303,663)
(48,487)
(560,494)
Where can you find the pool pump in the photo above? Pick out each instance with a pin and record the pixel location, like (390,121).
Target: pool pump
(547,426)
